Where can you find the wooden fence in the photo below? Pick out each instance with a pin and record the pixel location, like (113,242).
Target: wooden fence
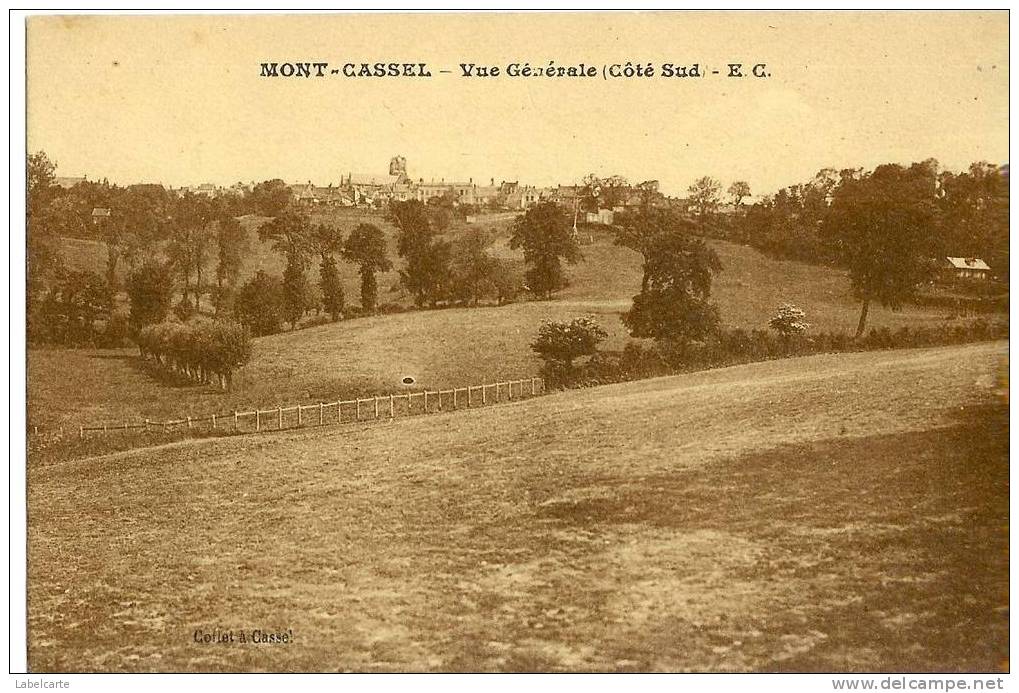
(341,411)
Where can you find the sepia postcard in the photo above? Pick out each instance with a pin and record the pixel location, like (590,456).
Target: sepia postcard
(518,342)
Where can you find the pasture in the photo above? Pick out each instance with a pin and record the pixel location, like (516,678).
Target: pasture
(830,513)
(451,347)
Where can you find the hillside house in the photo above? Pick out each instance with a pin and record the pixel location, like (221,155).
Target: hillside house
(967,268)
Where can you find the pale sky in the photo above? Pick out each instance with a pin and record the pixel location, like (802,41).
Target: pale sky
(179,100)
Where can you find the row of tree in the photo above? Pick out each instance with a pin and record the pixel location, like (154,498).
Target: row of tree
(201,350)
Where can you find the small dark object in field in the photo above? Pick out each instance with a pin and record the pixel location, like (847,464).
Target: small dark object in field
(408,380)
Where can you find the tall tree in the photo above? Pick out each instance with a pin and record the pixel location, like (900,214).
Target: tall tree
(474,270)
(231,245)
(738,191)
(191,240)
(327,240)
(705,196)
(603,193)
(296,292)
(290,234)
(269,198)
(545,234)
(332,288)
(259,303)
(640,230)
(73,306)
(150,291)
(674,305)
(880,225)
(44,263)
(366,247)
(426,272)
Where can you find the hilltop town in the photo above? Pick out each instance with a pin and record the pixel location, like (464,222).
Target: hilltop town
(376,190)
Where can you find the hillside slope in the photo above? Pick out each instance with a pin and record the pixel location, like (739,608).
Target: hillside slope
(826,513)
(440,349)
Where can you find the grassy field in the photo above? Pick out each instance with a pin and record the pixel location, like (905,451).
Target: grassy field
(835,513)
(442,348)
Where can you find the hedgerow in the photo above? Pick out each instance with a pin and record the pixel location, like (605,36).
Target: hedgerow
(199,350)
(727,347)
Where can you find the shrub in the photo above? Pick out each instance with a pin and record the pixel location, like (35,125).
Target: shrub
(562,342)
(789,320)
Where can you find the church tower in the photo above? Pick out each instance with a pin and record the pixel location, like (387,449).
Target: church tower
(398,168)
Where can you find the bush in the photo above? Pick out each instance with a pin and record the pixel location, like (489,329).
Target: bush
(789,320)
(563,342)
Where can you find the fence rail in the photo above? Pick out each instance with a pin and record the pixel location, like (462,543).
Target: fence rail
(284,417)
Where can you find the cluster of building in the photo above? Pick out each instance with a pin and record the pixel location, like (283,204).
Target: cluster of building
(358,189)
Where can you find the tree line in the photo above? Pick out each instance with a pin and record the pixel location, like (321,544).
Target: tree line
(966,213)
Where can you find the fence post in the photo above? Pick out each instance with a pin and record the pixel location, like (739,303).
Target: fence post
(300,414)
(279,417)
(470,395)
(454,398)
(213,421)
(189,422)
(81,432)
(320,413)
(509,389)
(534,386)
(440,400)
(339,410)
(146,424)
(104,428)
(426,401)
(392,408)
(258,420)
(235,419)
(376,406)
(357,409)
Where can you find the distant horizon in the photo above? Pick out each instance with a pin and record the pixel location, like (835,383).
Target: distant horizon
(466,179)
